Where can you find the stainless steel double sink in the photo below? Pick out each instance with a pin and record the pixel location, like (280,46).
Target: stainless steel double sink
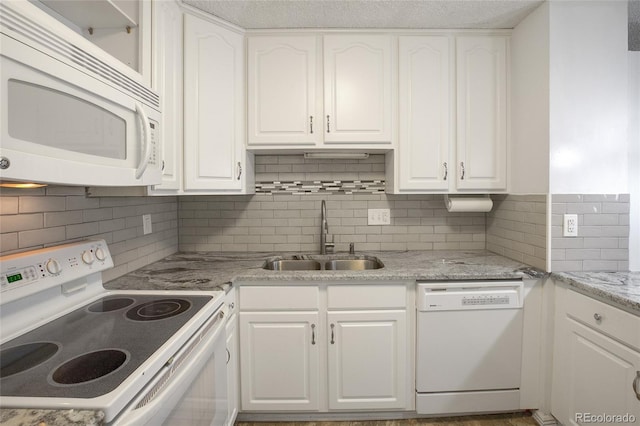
(324,263)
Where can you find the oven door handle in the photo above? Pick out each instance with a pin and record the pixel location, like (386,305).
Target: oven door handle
(146,141)
(159,397)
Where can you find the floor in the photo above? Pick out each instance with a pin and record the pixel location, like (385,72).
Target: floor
(515,419)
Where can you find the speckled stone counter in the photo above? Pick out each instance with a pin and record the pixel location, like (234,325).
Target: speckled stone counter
(24,417)
(620,289)
(212,271)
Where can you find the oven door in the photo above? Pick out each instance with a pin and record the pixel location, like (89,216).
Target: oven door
(192,387)
(61,126)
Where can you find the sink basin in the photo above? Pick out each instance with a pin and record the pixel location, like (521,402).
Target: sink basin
(352,264)
(324,263)
(293,265)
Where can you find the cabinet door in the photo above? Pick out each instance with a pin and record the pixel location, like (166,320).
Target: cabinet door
(425,117)
(279,365)
(367,353)
(597,376)
(357,89)
(282,88)
(481,112)
(213,106)
(233,379)
(167,79)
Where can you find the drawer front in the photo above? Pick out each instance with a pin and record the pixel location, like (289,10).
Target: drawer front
(264,298)
(367,296)
(607,319)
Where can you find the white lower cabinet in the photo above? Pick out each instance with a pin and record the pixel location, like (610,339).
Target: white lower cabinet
(328,347)
(366,365)
(233,370)
(596,368)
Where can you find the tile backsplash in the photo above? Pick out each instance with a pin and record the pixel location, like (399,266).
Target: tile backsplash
(517,228)
(36,218)
(284,222)
(602,243)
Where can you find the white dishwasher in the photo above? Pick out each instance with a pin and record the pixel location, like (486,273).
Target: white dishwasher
(469,346)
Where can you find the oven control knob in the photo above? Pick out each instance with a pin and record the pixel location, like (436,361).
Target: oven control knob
(100,254)
(53,267)
(87,257)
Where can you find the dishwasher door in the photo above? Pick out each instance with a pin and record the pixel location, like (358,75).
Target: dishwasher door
(469,344)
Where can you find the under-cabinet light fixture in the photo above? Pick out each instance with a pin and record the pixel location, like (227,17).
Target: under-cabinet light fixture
(337,155)
(21,185)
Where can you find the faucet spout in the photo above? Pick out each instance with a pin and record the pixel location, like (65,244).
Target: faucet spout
(324,229)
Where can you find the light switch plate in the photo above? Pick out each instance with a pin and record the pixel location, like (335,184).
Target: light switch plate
(146,224)
(379,217)
(570,225)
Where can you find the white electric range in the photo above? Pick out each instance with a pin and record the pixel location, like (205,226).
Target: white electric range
(141,357)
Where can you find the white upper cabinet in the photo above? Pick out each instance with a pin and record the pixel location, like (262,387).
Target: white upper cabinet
(425,114)
(282,81)
(452,115)
(357,89)
(481,112)
(291,104)
(167,80)
(213,107)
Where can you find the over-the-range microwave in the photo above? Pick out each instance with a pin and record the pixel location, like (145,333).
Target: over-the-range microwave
(71,113)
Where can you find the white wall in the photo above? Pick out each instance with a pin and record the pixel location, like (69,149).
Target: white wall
(634,160)
(530,104)
(589,103)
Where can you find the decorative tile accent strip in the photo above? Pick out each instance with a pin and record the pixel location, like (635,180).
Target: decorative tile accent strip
(320,187)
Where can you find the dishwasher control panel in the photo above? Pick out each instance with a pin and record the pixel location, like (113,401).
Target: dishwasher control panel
(456,296)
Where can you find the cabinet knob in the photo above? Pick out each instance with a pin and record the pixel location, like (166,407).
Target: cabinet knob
(597,317)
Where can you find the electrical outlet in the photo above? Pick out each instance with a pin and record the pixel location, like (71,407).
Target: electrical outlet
(379,217)
(146,224)
(570,228)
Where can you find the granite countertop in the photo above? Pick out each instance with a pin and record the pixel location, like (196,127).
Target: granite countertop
(620,289)
(215,271)
(25,416)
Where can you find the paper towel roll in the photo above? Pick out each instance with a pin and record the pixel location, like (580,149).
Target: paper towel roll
(469,204)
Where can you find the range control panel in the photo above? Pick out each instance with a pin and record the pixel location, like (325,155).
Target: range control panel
(458,296)
(25,273)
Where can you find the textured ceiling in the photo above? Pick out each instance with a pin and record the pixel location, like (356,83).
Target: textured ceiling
(261,14)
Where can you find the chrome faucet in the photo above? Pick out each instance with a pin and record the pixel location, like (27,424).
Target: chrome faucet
(324,230)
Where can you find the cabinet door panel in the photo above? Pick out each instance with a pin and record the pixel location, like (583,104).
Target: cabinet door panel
(167,79)
(282,91)
(481,112)
(279,360)
(367,352)
(357,88)
(424,113)
(213,105)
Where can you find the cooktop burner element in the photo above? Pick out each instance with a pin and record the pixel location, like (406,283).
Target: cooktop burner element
(91,366)
(108,305)
(21,358)
(158,309)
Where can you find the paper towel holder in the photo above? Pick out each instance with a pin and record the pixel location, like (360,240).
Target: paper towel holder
(479,203)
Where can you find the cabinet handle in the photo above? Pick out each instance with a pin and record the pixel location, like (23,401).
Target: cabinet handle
(163,165)
(228,356)
(446,171)
(636,381)
(332,334)
(313,334)
(311,123)
(462,166)
(597,317)
(239,170)
(328,129)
